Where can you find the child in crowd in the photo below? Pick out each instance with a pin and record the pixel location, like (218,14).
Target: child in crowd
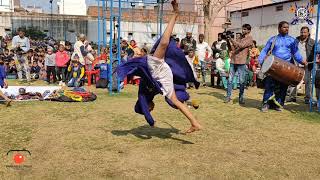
(50,65)
(76,71)
(3,82)
(30,57)
(62,59)
(104,72)
(35,70)
(220,66)
(12,70)
(22,65)
(191,58)
(42,73)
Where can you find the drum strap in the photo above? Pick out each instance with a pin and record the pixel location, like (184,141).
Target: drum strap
(272,45)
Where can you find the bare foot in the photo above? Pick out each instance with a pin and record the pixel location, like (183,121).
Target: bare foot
(193,129)
(8,103)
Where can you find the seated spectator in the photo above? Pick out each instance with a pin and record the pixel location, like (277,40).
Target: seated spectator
(30,57)
(12,70)
(6,56)
(104,73)
(76,72)
(35,70)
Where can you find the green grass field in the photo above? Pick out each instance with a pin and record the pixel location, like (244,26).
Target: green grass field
(105,139)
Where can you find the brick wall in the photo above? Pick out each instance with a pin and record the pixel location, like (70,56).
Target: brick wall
(146,15)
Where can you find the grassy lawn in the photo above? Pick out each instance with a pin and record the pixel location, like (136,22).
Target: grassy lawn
(105,139)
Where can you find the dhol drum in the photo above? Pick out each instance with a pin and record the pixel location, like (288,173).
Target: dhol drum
(282,71)
(317,84)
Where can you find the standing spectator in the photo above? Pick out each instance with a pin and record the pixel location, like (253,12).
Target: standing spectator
(254,54)
(187,43)
(219,45)
(22,65)
(306,48)
(238,61)
(50,65)
(20,41)
(80,48)
(62,59)
(43,73)
(203,52)
(220,65)
(191,60)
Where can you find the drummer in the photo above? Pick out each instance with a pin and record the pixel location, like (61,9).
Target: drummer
(285,47)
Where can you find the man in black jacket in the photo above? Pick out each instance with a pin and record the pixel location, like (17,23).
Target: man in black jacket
(306,48)
(187,43)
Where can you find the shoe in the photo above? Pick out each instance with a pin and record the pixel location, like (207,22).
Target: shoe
(241,100)
(227,100)
(60,83)
(265,108)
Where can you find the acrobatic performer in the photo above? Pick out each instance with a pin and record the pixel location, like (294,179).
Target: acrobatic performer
(165,72)
(3,83)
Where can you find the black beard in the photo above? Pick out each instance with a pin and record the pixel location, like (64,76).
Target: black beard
(2,63)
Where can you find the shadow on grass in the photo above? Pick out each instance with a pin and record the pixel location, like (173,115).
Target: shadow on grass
(249,103)
(147,132)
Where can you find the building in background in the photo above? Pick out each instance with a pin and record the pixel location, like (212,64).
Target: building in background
(72,7)
(6,6)
(34,9)
(17,4)
(265,19)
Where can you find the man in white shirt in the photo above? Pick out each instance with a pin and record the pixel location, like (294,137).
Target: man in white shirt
(20,41)
(203,52)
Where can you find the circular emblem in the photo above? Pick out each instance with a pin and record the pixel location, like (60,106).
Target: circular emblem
(302,13)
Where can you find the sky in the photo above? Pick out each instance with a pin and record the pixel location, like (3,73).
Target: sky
(46,5)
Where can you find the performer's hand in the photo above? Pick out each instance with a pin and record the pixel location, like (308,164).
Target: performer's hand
(175,6)
(305,63)
(78,80)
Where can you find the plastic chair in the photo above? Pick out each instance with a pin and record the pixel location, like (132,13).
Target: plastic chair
(91,71)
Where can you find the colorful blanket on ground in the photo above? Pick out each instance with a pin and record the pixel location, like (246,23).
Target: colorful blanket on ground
(74,95)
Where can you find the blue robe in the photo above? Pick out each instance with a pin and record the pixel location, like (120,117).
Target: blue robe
(149,87)
(2,75)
